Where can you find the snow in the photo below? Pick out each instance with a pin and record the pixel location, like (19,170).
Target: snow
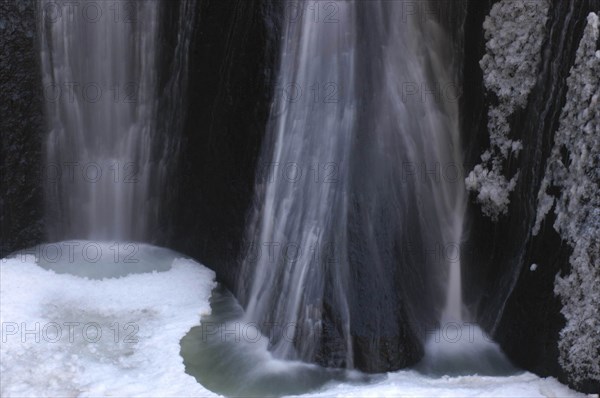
(577,208)
(533,267)
(514,33)
(154,310)
(414,384)
(493,189)
(44,351)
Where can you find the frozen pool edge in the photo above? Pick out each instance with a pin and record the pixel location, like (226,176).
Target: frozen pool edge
(163,306)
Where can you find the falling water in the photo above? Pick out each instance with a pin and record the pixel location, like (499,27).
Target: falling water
(387,117)
(104,167)
(300,210)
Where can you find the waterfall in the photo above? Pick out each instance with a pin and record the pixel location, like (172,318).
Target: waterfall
(363,148)
(107,159)
(304,175)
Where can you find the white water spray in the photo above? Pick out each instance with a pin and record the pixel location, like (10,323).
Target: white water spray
(395,109)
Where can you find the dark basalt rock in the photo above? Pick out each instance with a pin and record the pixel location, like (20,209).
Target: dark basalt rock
(516,305)
(390,305)
(231,80)
(21,128)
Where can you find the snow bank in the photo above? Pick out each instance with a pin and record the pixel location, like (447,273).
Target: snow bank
(52,346)
(413,384)
(514,32)
(574,168)
(64,335)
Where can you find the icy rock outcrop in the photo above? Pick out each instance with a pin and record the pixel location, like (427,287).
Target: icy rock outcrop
(574,168)
(514,32)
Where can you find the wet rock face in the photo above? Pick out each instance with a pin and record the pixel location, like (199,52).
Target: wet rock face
(21,128)
(232,73)
(517,304)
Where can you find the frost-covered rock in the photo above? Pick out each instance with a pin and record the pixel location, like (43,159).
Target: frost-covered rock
(577,209)
(514,32)
(533,267)
(492,189)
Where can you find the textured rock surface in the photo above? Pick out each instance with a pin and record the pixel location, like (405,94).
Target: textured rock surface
(231,79)
(516,304)
(21,128)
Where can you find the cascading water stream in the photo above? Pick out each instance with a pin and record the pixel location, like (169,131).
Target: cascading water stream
(299,212)
(381,136)
(107,158)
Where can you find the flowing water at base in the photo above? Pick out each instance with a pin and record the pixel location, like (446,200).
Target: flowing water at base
(467,351)
(229,356)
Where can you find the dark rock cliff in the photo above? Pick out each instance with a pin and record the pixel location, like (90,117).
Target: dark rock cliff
(515,304)
(232,64)
(21,128)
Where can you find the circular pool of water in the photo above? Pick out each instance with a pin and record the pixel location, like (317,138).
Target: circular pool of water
(100,260)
